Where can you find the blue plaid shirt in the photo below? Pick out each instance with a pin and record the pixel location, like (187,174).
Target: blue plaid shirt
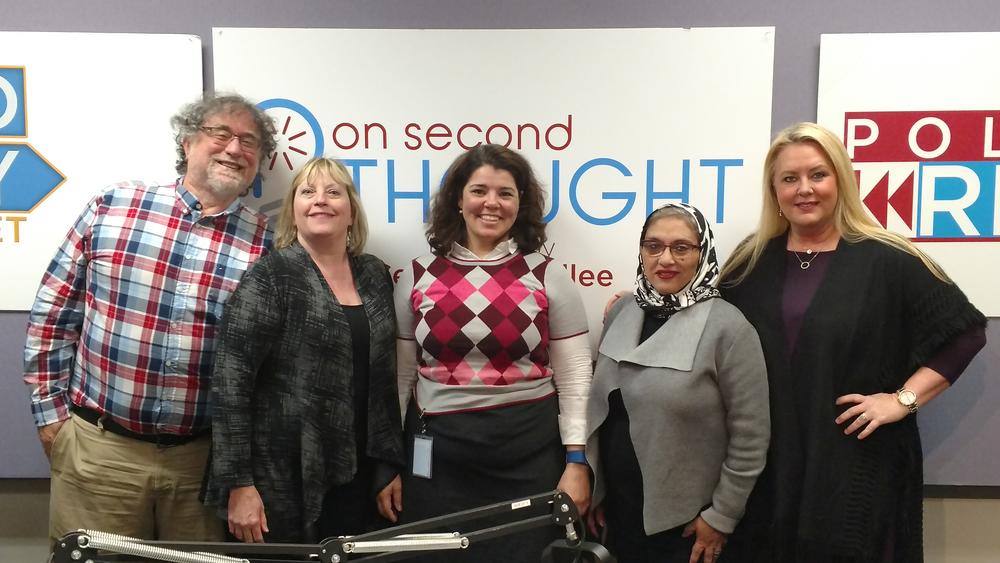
(124,321)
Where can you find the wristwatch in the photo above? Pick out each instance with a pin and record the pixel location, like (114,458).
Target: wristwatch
(908,399)
(576,456)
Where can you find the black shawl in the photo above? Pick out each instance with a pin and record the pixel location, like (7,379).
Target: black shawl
(283,407)
(877,316)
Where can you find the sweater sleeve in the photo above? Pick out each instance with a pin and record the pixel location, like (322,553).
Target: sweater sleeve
(572,375)
(251,324)
(939,318)
(406,344)
(952,359)
(742,378)
(569,354)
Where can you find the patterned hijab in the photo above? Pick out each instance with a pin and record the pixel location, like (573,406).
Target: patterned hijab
(702,286)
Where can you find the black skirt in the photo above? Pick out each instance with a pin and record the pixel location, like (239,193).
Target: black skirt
(484,457)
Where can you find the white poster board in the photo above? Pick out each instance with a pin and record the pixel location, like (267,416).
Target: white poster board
(616,122)
(80,111)
(920,115)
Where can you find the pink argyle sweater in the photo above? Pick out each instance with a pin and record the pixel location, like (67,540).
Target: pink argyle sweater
(483,329)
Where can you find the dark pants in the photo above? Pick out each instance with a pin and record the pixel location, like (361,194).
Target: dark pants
(481,458)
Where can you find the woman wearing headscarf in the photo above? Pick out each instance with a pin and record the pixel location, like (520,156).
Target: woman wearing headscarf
(859,329)
(678,406)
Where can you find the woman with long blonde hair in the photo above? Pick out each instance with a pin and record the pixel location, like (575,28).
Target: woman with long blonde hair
(859,330)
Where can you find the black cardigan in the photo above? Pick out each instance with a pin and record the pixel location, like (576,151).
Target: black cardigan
(283,407)
(878,315)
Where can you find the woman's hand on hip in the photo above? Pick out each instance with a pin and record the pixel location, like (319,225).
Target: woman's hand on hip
(575,482)
(390,500)
(708,541)
(868,412)
(247,520)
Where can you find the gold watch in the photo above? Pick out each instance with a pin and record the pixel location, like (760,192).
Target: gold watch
(908,399)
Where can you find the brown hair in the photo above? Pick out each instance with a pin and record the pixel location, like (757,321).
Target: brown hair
(446,225)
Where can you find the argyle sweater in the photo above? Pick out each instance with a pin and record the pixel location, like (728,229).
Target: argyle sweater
(483,329)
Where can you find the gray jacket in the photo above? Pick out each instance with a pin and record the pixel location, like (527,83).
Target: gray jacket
(697,401)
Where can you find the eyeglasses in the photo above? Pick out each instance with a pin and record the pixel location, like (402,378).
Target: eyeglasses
(679,250)
(222,135)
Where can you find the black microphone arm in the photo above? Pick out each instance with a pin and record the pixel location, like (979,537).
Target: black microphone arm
(390,544)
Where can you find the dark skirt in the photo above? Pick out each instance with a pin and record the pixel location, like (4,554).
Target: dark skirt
(485,457)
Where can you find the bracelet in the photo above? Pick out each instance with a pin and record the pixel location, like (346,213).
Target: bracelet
(576,456)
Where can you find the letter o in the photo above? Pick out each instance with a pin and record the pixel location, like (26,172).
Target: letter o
(510,136)
(945,137)
(357,136)
(8,91)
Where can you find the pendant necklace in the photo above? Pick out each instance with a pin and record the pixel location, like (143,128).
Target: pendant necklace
(804,264)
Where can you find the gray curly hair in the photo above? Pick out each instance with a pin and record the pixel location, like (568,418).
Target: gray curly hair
(193,116)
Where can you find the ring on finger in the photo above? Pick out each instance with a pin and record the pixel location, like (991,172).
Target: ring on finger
(863,418)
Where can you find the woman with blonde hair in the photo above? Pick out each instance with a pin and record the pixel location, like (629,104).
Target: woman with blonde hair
(859,329)
(304,389)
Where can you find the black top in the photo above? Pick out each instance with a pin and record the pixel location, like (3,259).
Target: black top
(801,285)
(358,321)
(876,316)
(286,389)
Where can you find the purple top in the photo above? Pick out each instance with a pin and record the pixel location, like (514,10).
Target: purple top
(800,288)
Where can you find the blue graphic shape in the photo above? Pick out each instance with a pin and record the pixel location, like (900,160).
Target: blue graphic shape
(307,116)
(25,178)
(980,212)
(13,122)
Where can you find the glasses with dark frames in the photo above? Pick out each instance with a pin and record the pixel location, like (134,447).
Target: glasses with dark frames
(679,250)
(222,135)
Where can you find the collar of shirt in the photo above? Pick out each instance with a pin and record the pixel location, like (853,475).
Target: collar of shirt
(505,248)
(190,204)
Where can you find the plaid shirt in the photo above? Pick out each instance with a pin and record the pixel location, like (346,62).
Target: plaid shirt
(124,321)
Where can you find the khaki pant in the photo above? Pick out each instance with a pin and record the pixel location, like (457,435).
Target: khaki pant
(105,482)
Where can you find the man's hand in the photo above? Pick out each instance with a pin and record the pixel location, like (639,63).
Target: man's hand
(47,435)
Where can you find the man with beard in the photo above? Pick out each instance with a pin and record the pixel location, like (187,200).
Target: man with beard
(121,337)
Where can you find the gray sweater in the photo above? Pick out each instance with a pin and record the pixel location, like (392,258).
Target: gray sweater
(697,399)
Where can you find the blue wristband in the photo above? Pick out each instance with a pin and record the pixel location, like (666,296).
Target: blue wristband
(576,456)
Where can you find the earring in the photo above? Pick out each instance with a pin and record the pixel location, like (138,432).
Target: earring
(779,212)
(348,238)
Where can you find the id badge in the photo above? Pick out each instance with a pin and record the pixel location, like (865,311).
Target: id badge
(422,446)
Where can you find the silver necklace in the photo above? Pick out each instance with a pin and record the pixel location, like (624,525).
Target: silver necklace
(804,264)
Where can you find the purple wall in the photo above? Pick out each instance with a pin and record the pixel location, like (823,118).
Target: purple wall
(961,429)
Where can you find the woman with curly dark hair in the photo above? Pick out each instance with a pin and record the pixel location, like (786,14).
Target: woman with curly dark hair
(493,352)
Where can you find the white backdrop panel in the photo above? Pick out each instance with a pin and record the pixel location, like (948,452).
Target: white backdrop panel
(921,114)
(635,117)
(98,109)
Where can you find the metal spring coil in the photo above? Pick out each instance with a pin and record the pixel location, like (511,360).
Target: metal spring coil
(133,546)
